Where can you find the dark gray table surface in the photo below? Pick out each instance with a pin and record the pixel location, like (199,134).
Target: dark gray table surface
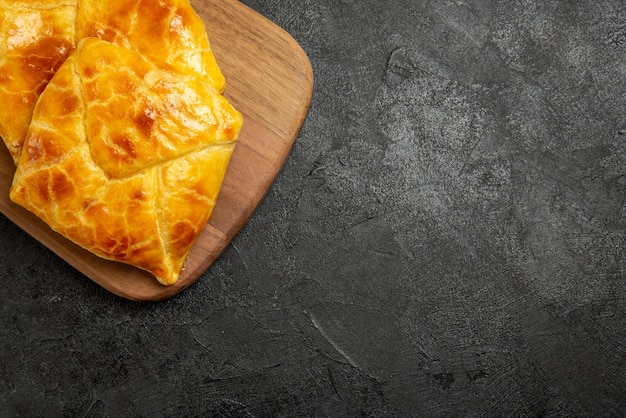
(447,238)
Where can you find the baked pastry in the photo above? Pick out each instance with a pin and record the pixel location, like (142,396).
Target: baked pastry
(126,156)
(36,36)
(167,30)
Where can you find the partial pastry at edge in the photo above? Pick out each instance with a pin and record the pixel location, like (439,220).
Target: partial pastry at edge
(36,36)
(35,39)
(126,157)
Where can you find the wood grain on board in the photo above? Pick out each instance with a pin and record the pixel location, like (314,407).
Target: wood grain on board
(269,80)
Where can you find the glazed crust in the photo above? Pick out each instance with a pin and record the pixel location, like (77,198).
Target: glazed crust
(126,157)
(35,39)
(167,30)
(36,36)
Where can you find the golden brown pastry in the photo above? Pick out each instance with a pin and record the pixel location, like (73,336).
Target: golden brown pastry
(36,36)
(35,39)
(168,30)
(126,157)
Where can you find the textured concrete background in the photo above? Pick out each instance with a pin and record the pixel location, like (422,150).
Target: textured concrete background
(448,238)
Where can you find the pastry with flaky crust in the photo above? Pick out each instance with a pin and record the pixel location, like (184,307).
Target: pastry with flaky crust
(126,157)
(36,36)
(167,30)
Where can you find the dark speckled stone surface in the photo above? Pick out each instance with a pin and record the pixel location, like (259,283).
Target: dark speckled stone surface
(447,238)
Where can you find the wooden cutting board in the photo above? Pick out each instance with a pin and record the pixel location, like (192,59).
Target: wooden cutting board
(269,80)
